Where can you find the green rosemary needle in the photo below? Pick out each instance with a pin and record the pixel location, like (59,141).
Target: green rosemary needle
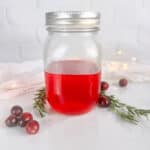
(127,112)
(39,102)
(124,111)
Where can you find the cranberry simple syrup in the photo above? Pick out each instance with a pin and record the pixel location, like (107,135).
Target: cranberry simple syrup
(72,86)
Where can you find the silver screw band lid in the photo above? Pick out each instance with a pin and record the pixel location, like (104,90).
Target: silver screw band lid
(72,20)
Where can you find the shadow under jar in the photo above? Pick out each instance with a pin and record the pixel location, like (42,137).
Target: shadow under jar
(72,61)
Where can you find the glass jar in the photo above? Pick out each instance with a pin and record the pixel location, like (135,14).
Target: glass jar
(72,61)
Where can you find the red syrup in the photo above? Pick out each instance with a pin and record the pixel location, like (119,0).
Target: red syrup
(72,87)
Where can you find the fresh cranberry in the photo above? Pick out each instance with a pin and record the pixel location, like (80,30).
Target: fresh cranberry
(103,101)
(21,122)
(32,127)
(104,85)
(123,82)
(11,121)
(26,117)
(16,110)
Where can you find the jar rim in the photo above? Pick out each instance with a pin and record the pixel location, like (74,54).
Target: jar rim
(73,21)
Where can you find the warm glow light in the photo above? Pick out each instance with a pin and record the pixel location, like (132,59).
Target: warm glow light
(13,85)
(113,66)
(133,59)
(119,52)
(125,66)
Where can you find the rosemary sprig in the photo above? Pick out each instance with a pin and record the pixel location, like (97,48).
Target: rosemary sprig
(39,102)
(124,111)
(127,112)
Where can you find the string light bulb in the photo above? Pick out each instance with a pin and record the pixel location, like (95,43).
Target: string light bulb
(133,59)
(113,66)
(119,51)
(125,66)
(11,85)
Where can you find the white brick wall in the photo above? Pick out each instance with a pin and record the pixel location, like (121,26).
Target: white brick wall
(124,24)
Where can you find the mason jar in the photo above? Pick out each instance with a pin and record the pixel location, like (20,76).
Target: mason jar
(72,61)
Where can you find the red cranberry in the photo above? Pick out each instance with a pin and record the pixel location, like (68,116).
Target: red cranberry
(21,122)
(104,85)
(103,101)
(123,82)
(26,117)
(16,110)
(11,121)
(32,127)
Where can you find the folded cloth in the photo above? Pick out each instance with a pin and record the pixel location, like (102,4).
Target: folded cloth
(22,78)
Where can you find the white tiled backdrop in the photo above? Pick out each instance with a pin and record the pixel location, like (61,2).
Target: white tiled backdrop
(125,24)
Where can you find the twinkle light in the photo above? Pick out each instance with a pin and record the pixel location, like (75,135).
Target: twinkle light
(14,85)
(125,66)
(11,85)
(133,59)
(116,66)
(113,66)
(119,51)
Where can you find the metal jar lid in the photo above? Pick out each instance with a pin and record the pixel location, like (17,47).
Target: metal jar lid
(73,21)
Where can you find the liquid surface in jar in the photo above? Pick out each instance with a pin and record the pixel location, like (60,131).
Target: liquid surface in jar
(72,87)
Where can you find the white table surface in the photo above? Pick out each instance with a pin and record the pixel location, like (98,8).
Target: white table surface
(97,130)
